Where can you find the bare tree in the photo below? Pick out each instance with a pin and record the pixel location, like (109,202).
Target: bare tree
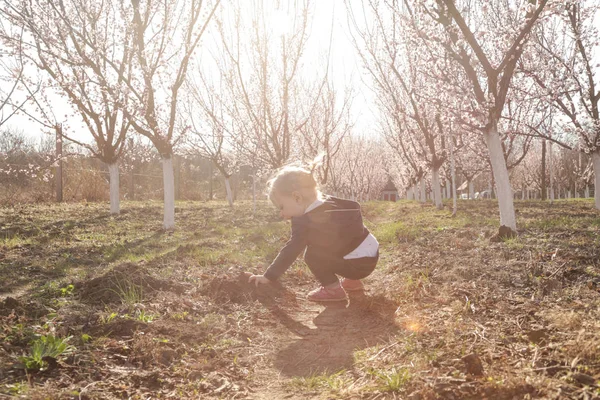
(213,128)
(468,34)
(75,42)
(263,72)
(564,70)
(13,97)
(327,125)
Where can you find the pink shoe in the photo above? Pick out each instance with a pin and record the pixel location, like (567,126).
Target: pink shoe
(327,294)
(352,285)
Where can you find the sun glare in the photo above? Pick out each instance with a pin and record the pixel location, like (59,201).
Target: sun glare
(280,24)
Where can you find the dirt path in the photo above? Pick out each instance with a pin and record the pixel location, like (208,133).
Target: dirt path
(312,339)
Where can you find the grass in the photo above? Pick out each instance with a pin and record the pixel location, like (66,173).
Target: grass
(438,276)
(393,380)
(332,382)
(129,293)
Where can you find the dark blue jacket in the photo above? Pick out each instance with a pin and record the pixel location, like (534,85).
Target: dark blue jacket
(333,229)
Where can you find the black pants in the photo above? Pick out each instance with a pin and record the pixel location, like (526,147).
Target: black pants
(327,268)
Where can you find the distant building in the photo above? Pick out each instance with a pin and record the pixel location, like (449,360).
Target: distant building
(389,192)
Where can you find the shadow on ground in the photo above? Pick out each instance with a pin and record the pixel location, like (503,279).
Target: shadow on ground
(341,329)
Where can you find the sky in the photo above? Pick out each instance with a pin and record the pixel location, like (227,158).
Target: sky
(344,68)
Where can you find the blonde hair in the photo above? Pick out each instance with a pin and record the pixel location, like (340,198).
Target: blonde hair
(294,178)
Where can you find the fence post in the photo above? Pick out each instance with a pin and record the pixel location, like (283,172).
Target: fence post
(59,163)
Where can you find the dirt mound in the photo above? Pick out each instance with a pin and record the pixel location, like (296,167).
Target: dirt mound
(233,287)
(118,328)
(11,305)
(128,282)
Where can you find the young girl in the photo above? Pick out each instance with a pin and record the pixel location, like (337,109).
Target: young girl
(330,229)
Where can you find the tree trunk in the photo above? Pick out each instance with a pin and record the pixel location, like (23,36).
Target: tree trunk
(586,193)
(543,183)
(423,198)
(437,192)
(504,190)
(596,161)
(471,190)
(551,168)
(177,175)
(168,193)
(228,190)
(452,175)
(132,184)
(210,182)
(59,164)
(253,193)
(113,170)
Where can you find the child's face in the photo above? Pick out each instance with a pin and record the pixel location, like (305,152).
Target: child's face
(289,205)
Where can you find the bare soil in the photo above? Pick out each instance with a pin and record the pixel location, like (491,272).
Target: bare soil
(450,312)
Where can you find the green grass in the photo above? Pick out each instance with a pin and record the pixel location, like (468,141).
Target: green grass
(129,293)
(393,380)
(333,382)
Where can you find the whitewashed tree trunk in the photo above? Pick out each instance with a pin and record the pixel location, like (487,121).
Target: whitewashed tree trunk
(228,190)
(452,176)
(596,163)
(423,197)
(586,193)
(168,193)
(551,169)
(437,192)
(113,170)
(471,190)
(503,188)
(523,193)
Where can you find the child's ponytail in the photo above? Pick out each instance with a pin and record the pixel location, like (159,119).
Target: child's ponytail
(316,162)
(296,177)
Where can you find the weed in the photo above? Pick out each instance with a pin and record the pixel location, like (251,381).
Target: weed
(129,293)
(141,315)
(67,290)
(334,382)
(179,316)
(393,380)
(18,388)
(106,319)
(43,347)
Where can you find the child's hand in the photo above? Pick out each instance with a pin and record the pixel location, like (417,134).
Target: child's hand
(258,279)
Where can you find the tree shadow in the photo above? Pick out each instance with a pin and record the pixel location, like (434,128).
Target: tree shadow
(341,330)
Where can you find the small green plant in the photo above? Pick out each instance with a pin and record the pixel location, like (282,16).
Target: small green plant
(141,315)
(43,347)
(106,319)
(67,290)
(85,337)
(393,380)
(179,316)
(18,388)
